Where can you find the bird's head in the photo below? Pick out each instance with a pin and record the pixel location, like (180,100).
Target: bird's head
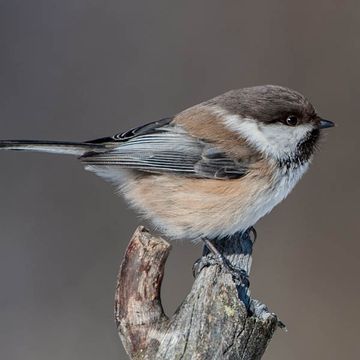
(277,121)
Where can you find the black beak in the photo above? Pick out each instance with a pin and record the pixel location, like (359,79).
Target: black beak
(326,124)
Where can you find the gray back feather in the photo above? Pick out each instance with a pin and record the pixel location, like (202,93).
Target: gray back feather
(169,149)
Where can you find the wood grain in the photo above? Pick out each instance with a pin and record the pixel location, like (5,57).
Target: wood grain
(213,322)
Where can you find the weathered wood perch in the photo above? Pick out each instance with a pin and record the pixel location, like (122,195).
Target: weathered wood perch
(211,323)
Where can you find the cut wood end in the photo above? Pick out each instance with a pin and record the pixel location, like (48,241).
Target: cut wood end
(142,238)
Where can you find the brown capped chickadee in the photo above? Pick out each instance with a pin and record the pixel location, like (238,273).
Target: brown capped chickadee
(212,170)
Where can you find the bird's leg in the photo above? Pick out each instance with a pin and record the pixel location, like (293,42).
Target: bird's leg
(240,276)
(239,249)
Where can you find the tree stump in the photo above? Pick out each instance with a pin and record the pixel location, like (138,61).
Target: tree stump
(217,320)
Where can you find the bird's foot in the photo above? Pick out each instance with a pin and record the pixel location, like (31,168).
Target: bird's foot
(202,263)
(239,275)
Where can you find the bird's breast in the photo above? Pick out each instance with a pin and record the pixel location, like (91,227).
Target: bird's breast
(188,208)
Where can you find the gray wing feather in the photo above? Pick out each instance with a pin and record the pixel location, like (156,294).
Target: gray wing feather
(170,150)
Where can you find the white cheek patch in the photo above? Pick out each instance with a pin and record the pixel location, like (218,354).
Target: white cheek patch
(277,140)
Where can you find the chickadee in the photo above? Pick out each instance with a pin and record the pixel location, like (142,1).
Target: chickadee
(212,170)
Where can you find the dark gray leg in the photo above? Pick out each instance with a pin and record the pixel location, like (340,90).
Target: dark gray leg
(238,274)
(233,254)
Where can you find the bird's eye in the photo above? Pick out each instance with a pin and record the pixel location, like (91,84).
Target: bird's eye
(292,120)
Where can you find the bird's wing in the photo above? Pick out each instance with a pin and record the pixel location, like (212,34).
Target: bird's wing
(161,147)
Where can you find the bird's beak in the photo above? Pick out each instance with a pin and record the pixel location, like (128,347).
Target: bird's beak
(326,124)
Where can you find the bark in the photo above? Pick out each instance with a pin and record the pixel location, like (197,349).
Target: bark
(217,320)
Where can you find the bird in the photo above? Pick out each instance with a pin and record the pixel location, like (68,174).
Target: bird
(212,170)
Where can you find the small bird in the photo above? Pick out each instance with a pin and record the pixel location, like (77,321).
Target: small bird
(212,170)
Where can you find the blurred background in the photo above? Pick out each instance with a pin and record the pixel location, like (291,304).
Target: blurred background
(81,69)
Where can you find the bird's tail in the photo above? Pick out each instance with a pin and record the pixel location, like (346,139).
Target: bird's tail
(54,147)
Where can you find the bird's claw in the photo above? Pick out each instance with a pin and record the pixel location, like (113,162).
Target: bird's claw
(240,276)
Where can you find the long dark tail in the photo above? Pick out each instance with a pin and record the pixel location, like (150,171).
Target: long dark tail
(54,147)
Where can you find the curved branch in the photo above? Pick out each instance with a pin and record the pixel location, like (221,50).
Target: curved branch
(138,309)
(213,322)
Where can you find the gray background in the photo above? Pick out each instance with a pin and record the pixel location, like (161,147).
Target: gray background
(81,69)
